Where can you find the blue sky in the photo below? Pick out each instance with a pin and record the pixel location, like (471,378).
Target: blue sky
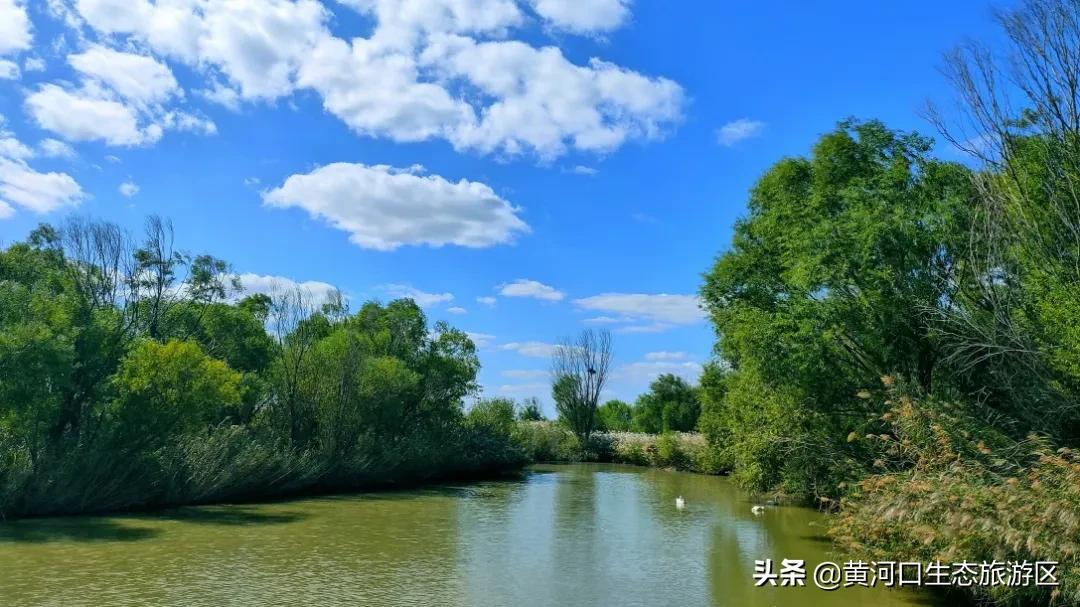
(525,168)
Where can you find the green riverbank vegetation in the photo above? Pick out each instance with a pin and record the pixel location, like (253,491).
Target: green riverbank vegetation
(898,332)
(133,378)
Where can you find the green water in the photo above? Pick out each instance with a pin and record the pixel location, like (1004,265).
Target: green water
(576,535)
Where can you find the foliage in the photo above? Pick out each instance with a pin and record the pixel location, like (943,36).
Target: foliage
(545,441)
(530,411)
(128,380)
(953,488)
(551,442)
(670,405)
(170,389)
(614,416)
(580,370)
(833,280)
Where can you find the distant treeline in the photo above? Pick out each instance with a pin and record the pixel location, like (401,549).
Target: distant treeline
(131,377)
(900,334)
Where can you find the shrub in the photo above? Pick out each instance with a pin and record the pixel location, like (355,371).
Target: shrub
(547,442)
(953,489)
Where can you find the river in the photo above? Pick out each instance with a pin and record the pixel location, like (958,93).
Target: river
(561,536)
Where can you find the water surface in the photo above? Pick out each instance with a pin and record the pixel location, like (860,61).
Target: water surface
(574,535)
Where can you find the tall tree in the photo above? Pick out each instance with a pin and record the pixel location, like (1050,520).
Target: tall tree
(579,369)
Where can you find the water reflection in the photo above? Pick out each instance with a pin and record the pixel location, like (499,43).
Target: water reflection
(561,535)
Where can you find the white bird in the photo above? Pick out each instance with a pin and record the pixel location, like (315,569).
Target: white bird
(757,510)
(680,503)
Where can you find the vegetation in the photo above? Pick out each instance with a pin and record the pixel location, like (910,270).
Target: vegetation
(554,442)
(579,370)
(897,333)
(132,379)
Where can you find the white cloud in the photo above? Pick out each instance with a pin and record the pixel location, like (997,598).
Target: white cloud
(83,116)
(666,356)
(54,148)
(487,301)
(422,298)
(317,292)
(15,34)
(33,64)
(525,373)
(128,189)
(37,192)
(383,208)
(481,340)
(644,372)
(429,69)
(531,288)
(584,170)
(656,312)
(656,327)
(10,147)
(256,45)
(739,130)
(457,310)
(533,349)
(9,70)
(583,16)
(137,78)
(606,320)
(22,186)
(543,103)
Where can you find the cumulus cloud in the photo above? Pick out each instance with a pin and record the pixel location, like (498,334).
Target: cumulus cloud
(422,298)
(429,68)
(457,310)
(643,313)
(15,34)
(9,70)
(544,103)
(384,208)
(316,292)
(82,116)
(739,130)
(255,45)
(22,186)
(128,189)
(531,288)
(583,16)
(487,301)
(136,78)
(54,148)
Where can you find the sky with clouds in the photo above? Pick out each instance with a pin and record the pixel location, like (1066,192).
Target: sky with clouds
(520,168)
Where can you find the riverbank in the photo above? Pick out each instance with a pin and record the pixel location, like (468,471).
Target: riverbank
(550,442)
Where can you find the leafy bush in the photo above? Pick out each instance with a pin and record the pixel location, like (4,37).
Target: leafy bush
(548,442)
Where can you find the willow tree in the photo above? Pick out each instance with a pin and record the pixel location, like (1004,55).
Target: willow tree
(579,370)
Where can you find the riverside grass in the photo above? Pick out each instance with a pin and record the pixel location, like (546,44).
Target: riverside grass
(550,442)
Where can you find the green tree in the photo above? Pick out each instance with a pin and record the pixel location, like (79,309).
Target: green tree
(531,411)
(837,277)
(614,416)
(170,389)
(671,404)
(580,372)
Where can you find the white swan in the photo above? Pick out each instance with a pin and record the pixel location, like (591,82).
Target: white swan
(680,503)
(757,510)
